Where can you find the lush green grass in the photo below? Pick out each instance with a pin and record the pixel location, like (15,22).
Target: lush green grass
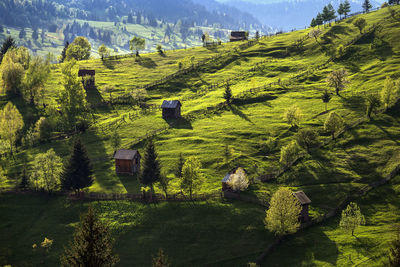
(361,156)
(192,234)
(328,245)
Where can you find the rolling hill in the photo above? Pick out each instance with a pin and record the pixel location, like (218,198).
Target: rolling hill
(266,77)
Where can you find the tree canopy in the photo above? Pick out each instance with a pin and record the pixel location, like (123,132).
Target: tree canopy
(11,122)
(282,217)
(351,218)
(79,49)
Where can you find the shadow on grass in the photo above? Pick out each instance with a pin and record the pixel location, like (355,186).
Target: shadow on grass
(109,64)
(94,97)
(253,100)
(146,62)
(180,123)
(235,110)
(355,103)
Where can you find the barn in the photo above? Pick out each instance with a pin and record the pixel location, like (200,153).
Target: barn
(304,202)
(89,76)
(171,109)
(238,36)
(127,161)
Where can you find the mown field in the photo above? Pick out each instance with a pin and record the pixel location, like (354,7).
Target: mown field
(362,155)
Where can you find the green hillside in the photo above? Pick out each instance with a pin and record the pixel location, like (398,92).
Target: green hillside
(266,78)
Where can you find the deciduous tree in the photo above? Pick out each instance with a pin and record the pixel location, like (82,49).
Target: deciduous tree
(79,49)
(389,93)
(351,218)
(137,44)
(338,80)
(282,217)
(92,244)
(238,180)
(307,138)
(373,103)
(46,171)
(35,78)
(103,51)
(191,176)
(293,115)
(315,33)
(360,23)
(10,123)
(289,153)
(333,123)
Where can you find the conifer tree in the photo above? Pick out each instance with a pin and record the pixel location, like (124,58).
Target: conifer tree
(179,166)
(78,171)
(7,44)
(92,245)
(160,260)
(151,171)
(346,8)
(228,94)
(326,97)
(64,52)
(366,6)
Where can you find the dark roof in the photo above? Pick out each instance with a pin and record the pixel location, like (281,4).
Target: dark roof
(302,198)
(171,104)
(126,154)
(86,72)
(238,34)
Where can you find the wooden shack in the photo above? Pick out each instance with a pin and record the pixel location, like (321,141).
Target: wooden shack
(238,36)
(304,202)
(171,109)
(127,161)
(88,78)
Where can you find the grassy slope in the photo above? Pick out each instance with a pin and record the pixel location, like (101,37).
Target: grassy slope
(184,231)
(360,157)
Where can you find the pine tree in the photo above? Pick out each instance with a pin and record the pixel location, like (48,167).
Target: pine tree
(78,171)
(228,94)
(160,260)
(92,245)
(151,171)
(179,166)
(326,97)
(366,6)
(7,44)
(340,10)
(313,23)
(346,8)
(64,52)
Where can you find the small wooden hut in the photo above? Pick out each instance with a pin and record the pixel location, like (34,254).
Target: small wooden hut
(88,78)
(171,109)
(238,36)
(127,161)
(304,202)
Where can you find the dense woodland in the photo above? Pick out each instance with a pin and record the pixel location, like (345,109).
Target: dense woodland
(285,144)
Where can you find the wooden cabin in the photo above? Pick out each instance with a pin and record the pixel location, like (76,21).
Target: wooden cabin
(88,78)
(127,161)
(171,109)
(238,36)
(304,202)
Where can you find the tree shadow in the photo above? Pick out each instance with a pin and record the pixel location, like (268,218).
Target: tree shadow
(29,112)
(356,102)
(146,62)
(109,63)
(253,100)
(310,245)
(94,97)
(235,110)
(180,123)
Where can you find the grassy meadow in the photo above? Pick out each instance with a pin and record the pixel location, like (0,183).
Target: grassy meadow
(219,233)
